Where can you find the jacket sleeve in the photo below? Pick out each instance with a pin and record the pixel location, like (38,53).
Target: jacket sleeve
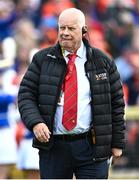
(118,123)
(28,95)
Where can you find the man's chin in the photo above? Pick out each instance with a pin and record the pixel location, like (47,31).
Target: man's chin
(66,46)
(66,43)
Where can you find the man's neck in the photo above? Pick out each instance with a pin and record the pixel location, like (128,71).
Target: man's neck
(72,50)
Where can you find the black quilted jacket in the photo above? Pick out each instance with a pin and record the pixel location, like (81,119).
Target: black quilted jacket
(40,89)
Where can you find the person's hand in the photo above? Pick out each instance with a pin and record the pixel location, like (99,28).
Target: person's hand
(41,132)
(116,153)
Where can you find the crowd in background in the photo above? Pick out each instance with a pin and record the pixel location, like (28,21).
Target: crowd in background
(29,25)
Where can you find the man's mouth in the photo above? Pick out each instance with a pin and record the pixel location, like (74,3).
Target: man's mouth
(65,39)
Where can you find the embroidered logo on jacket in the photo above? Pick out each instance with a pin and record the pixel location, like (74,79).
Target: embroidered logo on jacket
(52,56)
(101,76)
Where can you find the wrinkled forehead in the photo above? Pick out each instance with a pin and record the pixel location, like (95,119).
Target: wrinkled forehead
(69,20)
(64,22)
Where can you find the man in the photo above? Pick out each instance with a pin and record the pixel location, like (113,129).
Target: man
(78,130)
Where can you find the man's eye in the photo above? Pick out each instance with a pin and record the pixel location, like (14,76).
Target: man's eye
(62,28)
(71,29)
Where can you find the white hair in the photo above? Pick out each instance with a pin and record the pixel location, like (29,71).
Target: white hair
(73,11)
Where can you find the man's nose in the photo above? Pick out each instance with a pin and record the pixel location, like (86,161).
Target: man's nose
(66,31)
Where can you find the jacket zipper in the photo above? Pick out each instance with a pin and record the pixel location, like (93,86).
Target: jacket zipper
(58,93)
(92,127)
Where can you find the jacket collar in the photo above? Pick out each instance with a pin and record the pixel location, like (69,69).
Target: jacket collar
(59,51)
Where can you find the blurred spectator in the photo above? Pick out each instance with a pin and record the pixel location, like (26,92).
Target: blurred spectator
(25,36)
(124,60)
(8,152)
(87,6)
(133,145)
(7,52)
(48,28)
(118,31)
(135,12)
(26,39)
(135,37)
(28,159)
(7,18)
(7,60)
(133,89)
(97,39)
(29,9)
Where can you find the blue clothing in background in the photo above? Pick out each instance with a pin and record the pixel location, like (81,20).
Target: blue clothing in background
(6,28)
(5,101)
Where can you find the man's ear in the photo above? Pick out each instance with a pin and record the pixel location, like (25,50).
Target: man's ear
(84,30)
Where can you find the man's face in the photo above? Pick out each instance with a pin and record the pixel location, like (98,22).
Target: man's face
(70,33)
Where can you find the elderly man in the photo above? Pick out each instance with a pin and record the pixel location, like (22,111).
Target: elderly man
(71,98)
